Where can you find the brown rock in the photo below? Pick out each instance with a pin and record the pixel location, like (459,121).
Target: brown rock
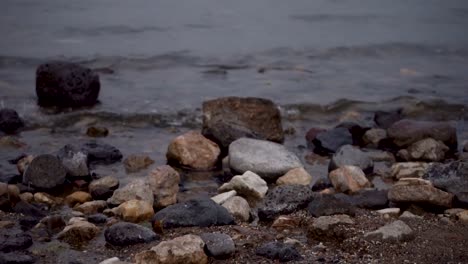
(414,190)
(193,150)
(97,132)
(238,207)
(77,198)
(78,233)
(348,179)
(45,198)
(92,207)
(135,211)
(135,162)
(164,182)
(286,222)
(26,197)
(295,176)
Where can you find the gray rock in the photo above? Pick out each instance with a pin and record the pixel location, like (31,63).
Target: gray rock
(396,231)
(279,251)
(10,122)
(451,177)
(125,234)
(284,199)
(137,189)
(103,188)
(65,84)
(14,242)
(218,245)
(238,207)
(101,153)
(349,155)
(366,198)
(196,212)
(45,172)
(267,159)
(75,161)
(426,149)
(329,205)
(330,141)
(248,185)
(415,190)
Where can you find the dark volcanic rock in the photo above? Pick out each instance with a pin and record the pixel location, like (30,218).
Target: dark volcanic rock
(279,251)
(16,258)
(9,243)
(97,219)
(126,234)
(386,119)
(230,118)
(330,141)
(330,205)
(357,132)
(197,212)
(451,177)
(101,153)
(312,134)
(366,198)
(45,172)
(65,84)
(349,155)
(284,199)
(10,121)
(218,245)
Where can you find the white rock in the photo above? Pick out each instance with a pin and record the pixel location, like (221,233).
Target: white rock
(248,185)
(223,197)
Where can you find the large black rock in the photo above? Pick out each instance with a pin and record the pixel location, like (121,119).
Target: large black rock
(10,121)
(201,212)
(328,142)
(101,153)
(284,199)
(45,172)
(126,234)
(65,84)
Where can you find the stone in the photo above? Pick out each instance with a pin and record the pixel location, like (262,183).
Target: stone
(415,190)
(426,149)
(78,233)
(124,234)
(230,118)
(10,178)
(373,136)
(279,251)
(28,209)
(366,198)
(284,222)
(97,219)
(349,155)
(16,258)
(238,207)
(223,197)
(218,245)
(396,231)
(97,132)
(357,131)
(389,211)
(65,84)
(103,188)
(328,142)
(9,191)
(326,204)
(194,151)
(267,159)
(164,183)
(77,198)
(322,184)
(14,242)
(137,189)
(248,185)
(10,122)
(463,216)
(74,161)
(451,177)
(101,153)
(44,198)
(114,260)
(23,163)
(10,142)
(329,226)
(348,179)
(284,199)
(196,212)
(135,211)
(406,132)
(27,197)
(135,162)
(45,172)
(312,134)
(386,119)
(380,156)
(407,215)
(408,170)
(91,207)
(186,249)
(295,176)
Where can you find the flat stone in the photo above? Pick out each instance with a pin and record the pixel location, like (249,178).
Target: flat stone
(349,155)
(396,231)
(218,245)
(416,190)
(125,234)
(295,176)
(223,197)
(284,199)
(77,198)
(248,185)
(389,211)
(279,251)
(164,183)
(407,215)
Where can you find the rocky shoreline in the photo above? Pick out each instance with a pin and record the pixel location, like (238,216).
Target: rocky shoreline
(395,192)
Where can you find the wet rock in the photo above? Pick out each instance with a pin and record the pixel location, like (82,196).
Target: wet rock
(279,251)
(330,141)
(164,183)
(23,163)
(77,198)
(238,207)
(97,132)
(97,218)
(295,176)
(408,170)
(230,118)
(322,205)
(248,185)
(45,198)
(193,150)
(196,212)
(101,153)
(322,184)
(426,149)
(10,122)
(367,198)
(218,245)
(396,231)
(348,179)
(373,136)
(74,161)
(135,211)
(415,190)
(267,159)
(356,130)
(103,188)
(135,162)
(386,119)
(126,234)
(186,249)
(92,207)
(406,132)
(78,233)
(451,177)
(137,189)
(16,258)
(65,84)
(223,197)
(284,199)
(349,155)
(329,226)
(14,242)
(312,134)
(45,172)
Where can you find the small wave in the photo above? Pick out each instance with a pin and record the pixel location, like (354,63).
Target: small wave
(347,18)
(112,30)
